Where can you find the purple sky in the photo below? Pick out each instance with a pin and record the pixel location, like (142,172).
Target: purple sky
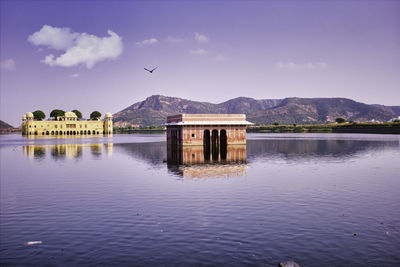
(205,50)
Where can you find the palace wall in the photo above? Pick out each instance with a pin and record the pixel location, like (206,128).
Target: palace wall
(87,127)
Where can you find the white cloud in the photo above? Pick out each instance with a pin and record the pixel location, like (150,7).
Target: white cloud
(290,66)
(201,38)
(199,52)
(53,37)
(80,48)
(74,75)
(147,42)
(8,64)
(222,58)
(172,39)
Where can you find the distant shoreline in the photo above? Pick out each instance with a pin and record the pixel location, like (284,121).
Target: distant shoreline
(371,128)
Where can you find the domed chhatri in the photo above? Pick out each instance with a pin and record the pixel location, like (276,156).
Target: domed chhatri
(68,124)
(70,114)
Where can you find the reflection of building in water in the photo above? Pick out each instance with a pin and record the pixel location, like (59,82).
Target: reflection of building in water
(199,154)
(207,129)
(62,151)
(67,125)
(196,161)
(36,152)
(109,148)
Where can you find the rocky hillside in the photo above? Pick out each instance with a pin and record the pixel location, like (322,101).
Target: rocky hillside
(155,109)
(4,125)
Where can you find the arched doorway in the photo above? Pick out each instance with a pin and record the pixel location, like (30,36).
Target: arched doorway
(214,144)
(223,143)
(206,144)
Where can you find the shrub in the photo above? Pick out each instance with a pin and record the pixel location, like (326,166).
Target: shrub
(340,120)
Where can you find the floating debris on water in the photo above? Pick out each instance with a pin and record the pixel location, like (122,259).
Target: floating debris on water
(29,243)
(289,264)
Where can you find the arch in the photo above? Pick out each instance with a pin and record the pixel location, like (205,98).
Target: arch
(214,138)
(214,144)
(74,132)
(84,132)
(206,137)
(36,133)
(223,138)
(93,132)
(97,132)
(61,132)
(43,133)
(56,132)
(81,132)
(206,144)
(52,132)
(223,144)
(47,133)
(88,132)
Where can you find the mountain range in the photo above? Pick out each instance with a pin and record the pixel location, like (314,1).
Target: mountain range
(5,125)
(155,109)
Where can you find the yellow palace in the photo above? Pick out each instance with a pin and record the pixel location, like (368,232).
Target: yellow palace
(66,125)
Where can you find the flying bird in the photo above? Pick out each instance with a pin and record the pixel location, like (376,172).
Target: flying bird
(151,71)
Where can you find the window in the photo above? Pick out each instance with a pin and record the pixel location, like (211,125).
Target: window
(192,134)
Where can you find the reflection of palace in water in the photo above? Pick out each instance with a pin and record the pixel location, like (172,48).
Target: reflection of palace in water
(62,151)
(203,161)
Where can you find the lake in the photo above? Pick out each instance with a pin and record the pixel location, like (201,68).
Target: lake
(317,199)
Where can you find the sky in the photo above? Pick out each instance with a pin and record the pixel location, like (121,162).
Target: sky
(91,55)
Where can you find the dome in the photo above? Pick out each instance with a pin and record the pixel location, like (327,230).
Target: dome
(70,114)
(108,115)
(29,115)
(24,117)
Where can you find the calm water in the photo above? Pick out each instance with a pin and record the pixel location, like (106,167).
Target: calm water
(317,199)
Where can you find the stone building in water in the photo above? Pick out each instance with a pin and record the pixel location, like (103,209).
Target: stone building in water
(207,129)
(66,125)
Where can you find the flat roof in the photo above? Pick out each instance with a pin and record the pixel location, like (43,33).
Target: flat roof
(207,119)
